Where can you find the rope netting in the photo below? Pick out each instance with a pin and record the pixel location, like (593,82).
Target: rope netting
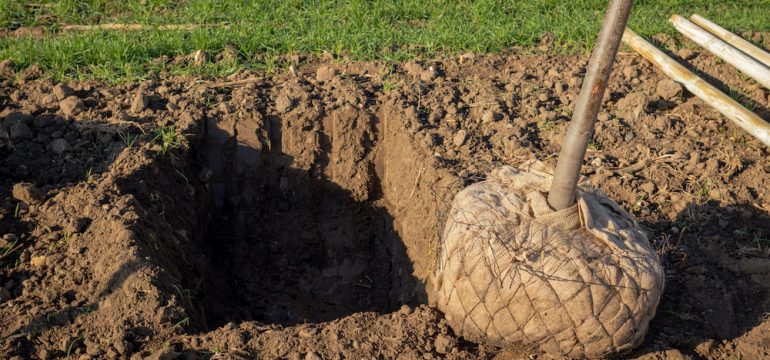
(580,282)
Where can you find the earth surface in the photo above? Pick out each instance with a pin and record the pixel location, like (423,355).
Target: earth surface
(297,215)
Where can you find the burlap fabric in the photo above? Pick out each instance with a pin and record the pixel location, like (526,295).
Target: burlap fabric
(580,282)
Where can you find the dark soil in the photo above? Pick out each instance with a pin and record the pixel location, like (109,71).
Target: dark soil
(297,216)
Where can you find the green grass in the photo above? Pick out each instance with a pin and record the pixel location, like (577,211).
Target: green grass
(167,139)
(263,30)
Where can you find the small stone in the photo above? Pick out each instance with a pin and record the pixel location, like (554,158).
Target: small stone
(20,131)
(460,137)
(62,91)
(543,97)
(5,295)
(648,187)
(43,354)
(466,58)
(92,348)
(490,116)
(141,101)
(630,72)
(312,356)
(27,193)
(674,354)
(59,146)
(668,89)
(325,73)
(307,332)
(42,121)
(686,54)
(38,261)
(283,104)
(746,215)
(405,310)
(71,106)
(427,75)
(444,344)
(171,107)
(435,116)
(10,237)
(81,224)
(16,117)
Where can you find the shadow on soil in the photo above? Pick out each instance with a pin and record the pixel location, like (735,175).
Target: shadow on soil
(287,246)
(709,295)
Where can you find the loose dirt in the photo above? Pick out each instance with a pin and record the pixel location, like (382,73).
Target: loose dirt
(297,215)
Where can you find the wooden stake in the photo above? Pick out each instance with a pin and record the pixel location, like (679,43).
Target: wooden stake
(723,50)
(732,39)
(730,108)
(561,195)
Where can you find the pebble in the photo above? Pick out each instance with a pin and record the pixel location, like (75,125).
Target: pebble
(490,116)
(62,91)
(648,187)
(668,89)
(71,106)
(27,193)
(42,121)
(427,75)
(20,131)
(630,71)
(686,54)
(81,224)
(283,104)
(325,73)
(141,101)
(460,137)
(307,332)
(16,117)
(59,146)
(38,261)
(171,107)
(436,116)
(312,356)
(5,295)
(92,348)
(405,309)
(443,343)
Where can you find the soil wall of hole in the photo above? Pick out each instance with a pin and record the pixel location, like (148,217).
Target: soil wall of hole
(317,213)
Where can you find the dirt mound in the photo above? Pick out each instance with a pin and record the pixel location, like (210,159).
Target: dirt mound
(297,216)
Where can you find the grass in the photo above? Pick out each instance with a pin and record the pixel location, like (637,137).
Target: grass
(167,139)
(261,31)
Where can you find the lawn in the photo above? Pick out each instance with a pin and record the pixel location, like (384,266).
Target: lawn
(261,31)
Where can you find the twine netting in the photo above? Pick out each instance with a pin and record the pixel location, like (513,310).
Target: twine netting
(579,282)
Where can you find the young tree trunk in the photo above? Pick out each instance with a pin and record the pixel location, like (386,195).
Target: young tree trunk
(581,128)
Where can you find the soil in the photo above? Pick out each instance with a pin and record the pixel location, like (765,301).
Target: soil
(296,215)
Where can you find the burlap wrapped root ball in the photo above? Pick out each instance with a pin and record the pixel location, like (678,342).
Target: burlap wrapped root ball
(580,282)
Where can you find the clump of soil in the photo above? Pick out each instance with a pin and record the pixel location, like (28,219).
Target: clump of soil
(297,215)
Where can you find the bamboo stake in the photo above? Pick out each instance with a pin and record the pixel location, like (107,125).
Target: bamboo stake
(561,195)
(730,108)
(730,38)
(723,50)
